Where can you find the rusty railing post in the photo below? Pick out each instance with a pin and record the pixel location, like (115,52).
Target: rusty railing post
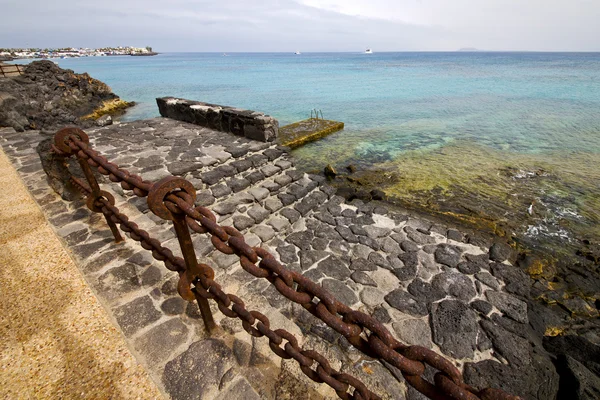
(96,194)
(189,255)
(60,142)
(156,202)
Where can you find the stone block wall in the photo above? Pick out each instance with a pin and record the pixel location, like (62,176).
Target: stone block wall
(250,124)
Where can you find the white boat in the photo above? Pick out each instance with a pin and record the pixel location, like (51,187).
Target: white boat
(368,51)
(297,52)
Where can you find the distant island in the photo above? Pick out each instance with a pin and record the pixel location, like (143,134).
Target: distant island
(71,52)
(468,49)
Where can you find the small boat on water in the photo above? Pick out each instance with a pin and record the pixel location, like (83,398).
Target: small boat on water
(368,51)
(297,52)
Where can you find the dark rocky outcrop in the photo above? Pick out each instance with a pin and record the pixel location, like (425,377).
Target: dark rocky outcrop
(47,97)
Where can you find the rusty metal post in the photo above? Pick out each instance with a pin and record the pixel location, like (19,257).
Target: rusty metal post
(193,269)
(96,193)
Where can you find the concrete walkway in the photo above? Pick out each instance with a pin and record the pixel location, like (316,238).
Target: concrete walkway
(57,340)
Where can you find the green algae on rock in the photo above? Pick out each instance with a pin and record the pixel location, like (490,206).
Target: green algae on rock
(308,130)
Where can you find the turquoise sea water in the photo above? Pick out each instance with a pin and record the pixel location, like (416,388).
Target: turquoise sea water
(540,106)
(390,102)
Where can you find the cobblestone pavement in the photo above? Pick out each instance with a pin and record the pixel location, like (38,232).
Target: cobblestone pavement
(430,285)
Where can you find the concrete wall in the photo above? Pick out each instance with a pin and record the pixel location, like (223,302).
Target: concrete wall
(251,124)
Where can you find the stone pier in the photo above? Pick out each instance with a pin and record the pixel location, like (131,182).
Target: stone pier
(429,284)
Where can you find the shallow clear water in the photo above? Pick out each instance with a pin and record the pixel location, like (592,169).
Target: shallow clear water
(501,109)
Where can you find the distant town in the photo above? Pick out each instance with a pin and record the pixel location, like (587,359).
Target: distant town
(73,52)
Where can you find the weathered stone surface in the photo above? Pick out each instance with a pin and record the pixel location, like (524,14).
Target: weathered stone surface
(308,258)
(539,381)
(347,234)
(577,347)
(482,306)
(254,176)
(302,240)
(310,202)
(239,390)
(48,97)
(291,214)
(238,184)
(158,343)
(455,235)
(173,306)
(468,267)
(220,190)
(418,237)
(225,208)
(211,177)
(405,273)
(389,246)
(455,328)
(376,232)
(340,290)
(576,381)
(279,224)
(404,302)
(407,245)
(287,254)
(414,332)
(264,232)
(371,296)
(514,349)
(258,213)
(335,268)
(242,222)
(509,305)
(448,255)
(362,278)
(273,204)
(360,264)
(455,284)
(197,373)
(379,260)
(251,124)
(517,281)
(500,252)
(120,280)
(136,315)
(487,279)
(425,292)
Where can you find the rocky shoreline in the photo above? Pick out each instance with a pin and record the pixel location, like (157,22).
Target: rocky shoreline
(47,97)
(553,264)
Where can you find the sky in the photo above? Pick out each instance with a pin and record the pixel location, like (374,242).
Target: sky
(304,25)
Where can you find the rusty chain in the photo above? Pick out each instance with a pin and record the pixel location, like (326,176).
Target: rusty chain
(233,307)
(175,196)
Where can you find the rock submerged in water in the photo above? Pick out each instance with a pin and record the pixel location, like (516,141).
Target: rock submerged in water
(330,172)
(47,97)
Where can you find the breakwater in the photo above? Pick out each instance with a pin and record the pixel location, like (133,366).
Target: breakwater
(250,124)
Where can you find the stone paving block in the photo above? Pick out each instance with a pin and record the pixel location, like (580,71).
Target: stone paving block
(136,314)
(259,193)
(258,213)
(278,223)
(159,342)
(414,332)
(197,373)
(239,390)
(341,291)
(455,328)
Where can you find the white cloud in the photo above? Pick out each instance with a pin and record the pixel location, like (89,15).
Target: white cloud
(308,25)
